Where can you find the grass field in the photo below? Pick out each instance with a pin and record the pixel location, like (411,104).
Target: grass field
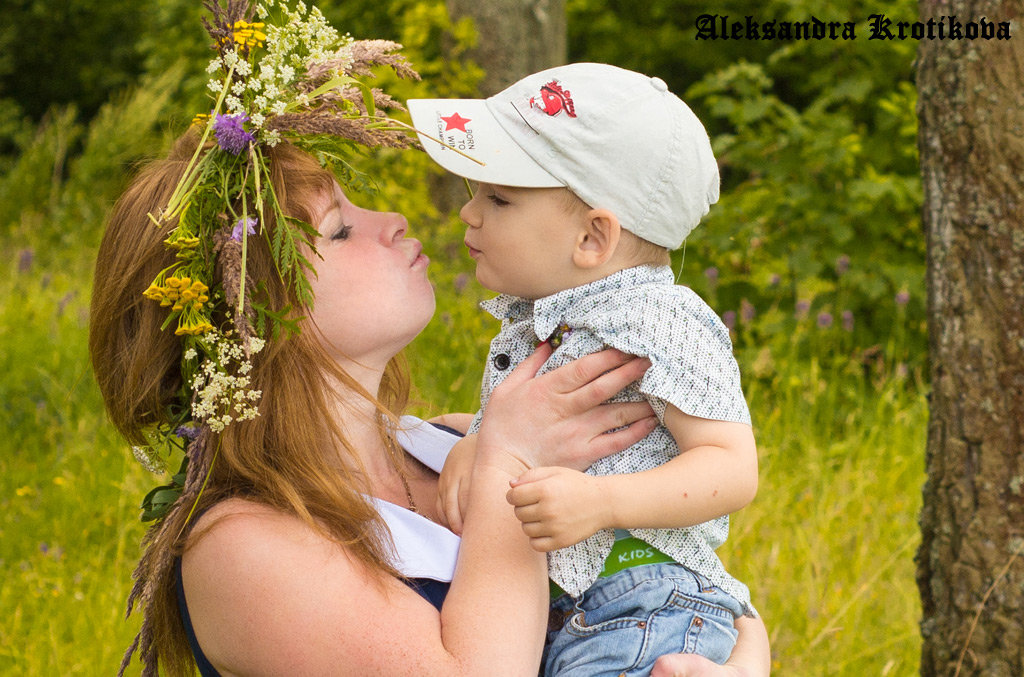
(826,547)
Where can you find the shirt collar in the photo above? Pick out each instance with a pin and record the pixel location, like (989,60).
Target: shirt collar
(550,311)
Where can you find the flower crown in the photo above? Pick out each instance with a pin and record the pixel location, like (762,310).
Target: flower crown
(293,81)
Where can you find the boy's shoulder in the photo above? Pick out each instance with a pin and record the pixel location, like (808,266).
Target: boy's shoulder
(654,317)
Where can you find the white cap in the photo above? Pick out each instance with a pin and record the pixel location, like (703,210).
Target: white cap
(617,139)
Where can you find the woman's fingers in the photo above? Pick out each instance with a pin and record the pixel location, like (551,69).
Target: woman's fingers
(529,367)
(606,384)
(579,373)
(615,415)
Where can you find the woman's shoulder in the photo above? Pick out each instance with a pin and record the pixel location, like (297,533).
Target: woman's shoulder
(258,578)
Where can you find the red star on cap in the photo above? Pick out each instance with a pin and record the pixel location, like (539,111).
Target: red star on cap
(455,121)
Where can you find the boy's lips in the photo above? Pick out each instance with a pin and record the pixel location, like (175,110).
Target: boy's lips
(473,251)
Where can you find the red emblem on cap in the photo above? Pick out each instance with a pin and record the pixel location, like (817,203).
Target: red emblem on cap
(455,121)
(554,100)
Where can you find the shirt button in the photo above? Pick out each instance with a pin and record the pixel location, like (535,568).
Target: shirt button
(502,361)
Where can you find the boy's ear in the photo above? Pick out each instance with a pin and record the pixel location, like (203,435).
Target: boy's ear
(597,239)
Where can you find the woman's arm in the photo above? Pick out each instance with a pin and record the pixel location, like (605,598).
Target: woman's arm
(270,595)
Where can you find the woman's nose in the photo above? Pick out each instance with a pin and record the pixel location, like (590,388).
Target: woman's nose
(392,225)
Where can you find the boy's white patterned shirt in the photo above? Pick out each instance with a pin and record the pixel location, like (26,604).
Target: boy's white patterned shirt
(643,312)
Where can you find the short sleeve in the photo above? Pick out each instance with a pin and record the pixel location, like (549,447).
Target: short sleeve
(692,364)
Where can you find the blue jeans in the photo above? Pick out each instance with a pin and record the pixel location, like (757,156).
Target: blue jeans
(624,622)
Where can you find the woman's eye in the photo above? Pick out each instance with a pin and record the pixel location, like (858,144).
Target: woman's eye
(342,233)
(497,200)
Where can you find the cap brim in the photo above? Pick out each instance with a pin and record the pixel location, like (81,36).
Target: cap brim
(464,137)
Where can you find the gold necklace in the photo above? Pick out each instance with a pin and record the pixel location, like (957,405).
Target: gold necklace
(401,475)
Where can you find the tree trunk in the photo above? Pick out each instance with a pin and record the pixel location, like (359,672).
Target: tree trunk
(970,565)
(515,38)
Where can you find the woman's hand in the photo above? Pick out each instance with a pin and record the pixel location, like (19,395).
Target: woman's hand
(751,657)
(560,418)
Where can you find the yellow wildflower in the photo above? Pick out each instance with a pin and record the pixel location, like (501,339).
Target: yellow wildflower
(154,293)
(249,34)
(200,119)
(183,242)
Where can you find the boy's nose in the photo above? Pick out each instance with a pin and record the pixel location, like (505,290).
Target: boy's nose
(469,214)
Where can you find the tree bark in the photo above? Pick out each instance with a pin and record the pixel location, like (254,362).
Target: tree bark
(970,568)
(515,38)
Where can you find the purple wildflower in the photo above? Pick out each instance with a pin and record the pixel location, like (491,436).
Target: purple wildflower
(903,298)
(230,133)
(842,265)
(729,318)
(801,308)
(187,432)
(25,257)
(824,320)
(250,228)
(848,320)
(712,275)
(461,280)
(775,280)
(746,311)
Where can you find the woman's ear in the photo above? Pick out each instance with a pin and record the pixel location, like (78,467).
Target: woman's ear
(598,238)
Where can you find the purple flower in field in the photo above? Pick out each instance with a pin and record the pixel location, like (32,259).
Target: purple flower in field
(824,320)
(848,320)
(801,308)
(746,311)
(25,258)
(902,298)
(250,228)
(712,275)
(231,134)
(461,280)
(775,280)
(842,264)
(729,318)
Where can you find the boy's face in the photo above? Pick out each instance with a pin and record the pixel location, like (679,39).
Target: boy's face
(522,239)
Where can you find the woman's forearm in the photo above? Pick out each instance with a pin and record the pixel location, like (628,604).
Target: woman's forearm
(494,617)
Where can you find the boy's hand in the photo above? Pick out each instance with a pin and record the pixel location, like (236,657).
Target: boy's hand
(453,484)
(557,506)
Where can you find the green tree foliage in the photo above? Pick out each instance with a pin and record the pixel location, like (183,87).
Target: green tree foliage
(818,223)
(73,51)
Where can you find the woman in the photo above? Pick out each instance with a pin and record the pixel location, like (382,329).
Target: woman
(297,545)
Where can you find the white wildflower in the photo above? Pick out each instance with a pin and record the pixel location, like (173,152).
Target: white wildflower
(149,459)
(190,354)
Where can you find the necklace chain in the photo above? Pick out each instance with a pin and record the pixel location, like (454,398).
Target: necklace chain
(393,452)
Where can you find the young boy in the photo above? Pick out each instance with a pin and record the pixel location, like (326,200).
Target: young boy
(588,174)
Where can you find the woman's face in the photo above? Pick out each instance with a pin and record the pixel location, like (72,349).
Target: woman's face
(371,292)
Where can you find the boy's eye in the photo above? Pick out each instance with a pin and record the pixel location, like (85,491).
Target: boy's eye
(342,233)
(497,200)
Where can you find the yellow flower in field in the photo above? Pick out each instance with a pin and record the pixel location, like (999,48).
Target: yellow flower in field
(24,491)
(200,119)
(59,481)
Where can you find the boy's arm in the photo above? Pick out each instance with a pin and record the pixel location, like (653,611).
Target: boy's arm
(715,474)
(453,483)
